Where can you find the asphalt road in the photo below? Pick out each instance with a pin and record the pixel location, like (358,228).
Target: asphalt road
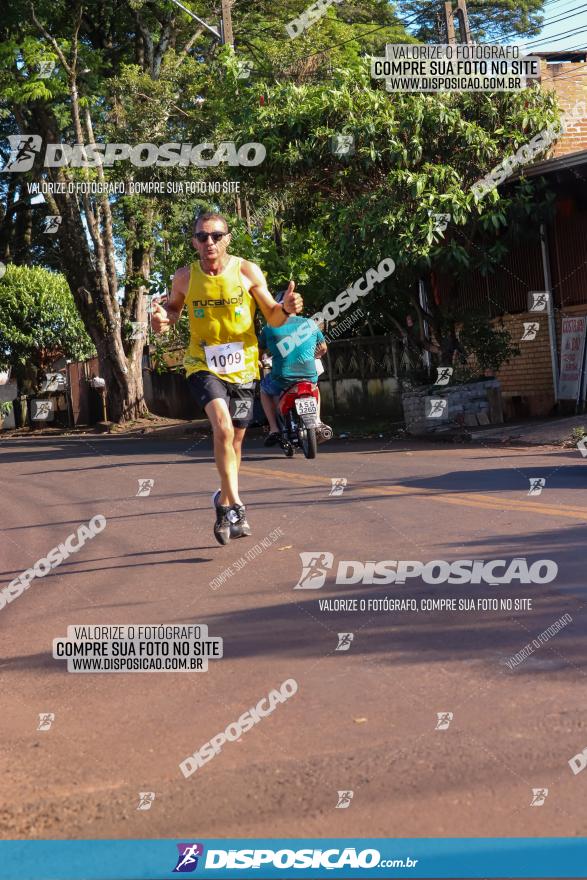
(363,719)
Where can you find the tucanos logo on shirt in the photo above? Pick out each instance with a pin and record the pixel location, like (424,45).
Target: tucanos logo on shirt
(217,303)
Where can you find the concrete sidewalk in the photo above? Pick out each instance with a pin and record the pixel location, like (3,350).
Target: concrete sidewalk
(543,432)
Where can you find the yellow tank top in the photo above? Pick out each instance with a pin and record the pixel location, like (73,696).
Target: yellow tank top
(222,332)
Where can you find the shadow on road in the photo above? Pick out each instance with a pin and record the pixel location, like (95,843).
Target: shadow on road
(55,449)
(299,630)
(302,630)
(567,476)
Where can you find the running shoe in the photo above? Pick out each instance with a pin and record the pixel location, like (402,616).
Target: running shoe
(215,502)
(239,526)
(272,439)
(223,525)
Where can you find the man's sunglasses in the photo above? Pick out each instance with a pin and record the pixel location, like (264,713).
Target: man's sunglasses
(215,236)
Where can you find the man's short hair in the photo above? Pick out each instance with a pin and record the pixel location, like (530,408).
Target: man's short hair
(209,215)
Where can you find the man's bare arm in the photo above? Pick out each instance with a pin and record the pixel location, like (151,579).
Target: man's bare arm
(179,289)
(163,318)
(272,311)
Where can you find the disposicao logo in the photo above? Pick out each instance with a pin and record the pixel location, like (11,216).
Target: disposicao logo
(187,860)
(286,859)
(26,147)
(317,564)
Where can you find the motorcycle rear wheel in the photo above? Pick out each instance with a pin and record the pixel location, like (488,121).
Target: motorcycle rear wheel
(308,440)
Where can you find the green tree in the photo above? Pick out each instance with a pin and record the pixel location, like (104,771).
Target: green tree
(143,71)
(490,347)
(105,244)
(132,72)
(339,38)
(38,322)
(327,218)
(489,20)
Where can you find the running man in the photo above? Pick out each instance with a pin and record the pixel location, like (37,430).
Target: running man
(221,293)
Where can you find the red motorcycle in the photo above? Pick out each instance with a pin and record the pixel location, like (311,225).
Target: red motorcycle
(298,417)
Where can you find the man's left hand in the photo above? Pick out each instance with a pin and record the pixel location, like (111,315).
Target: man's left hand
(292,301)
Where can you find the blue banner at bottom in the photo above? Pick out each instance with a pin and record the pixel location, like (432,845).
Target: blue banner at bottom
(265,859)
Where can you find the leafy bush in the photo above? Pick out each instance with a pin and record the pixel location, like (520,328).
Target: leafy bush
(38,321)
(490,346)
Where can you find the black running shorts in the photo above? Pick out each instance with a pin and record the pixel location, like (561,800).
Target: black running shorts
(239,398)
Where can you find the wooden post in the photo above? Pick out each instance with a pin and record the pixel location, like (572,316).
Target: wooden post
(465,31)
(227,37)
(449,21)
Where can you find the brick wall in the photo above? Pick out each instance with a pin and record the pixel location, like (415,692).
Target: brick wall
(526,381)
(569,81)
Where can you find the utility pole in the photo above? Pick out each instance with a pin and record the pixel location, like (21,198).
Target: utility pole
(463,18)
(450,22)
(226,23)
(200,21)
(224,35)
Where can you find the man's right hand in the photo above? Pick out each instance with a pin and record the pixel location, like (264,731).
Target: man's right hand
(159,320)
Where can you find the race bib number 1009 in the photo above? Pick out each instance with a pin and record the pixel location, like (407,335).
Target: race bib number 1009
(226,358)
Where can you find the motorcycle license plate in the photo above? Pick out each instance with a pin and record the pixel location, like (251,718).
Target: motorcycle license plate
(306,406)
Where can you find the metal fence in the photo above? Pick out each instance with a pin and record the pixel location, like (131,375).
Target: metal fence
(363,357)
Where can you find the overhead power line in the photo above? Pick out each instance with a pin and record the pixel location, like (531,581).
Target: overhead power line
(556,38)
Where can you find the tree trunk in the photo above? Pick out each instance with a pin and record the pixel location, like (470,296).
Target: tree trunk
(7,224)
(124,393)
(86,239)
(87,261)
